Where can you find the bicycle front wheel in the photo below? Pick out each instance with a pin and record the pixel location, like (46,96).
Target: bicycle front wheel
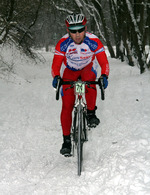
(80,140)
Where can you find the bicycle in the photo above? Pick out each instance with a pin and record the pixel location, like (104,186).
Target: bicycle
(79,125)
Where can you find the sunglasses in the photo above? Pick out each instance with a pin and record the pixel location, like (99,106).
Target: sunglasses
(79,31)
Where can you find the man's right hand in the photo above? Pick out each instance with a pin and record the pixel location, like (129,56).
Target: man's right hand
(55,81)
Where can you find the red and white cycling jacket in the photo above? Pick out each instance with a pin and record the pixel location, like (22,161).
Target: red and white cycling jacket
(77,56)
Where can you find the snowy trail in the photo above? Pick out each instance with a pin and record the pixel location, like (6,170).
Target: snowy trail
(116,157)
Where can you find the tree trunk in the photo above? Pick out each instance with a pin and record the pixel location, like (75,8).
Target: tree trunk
(108,42)
(137,41)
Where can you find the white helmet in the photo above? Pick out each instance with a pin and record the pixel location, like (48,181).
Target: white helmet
(75,21)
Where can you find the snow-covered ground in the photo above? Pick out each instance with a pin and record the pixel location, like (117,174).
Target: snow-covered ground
(116,157)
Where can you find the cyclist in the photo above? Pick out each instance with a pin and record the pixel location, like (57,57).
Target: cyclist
(75,57)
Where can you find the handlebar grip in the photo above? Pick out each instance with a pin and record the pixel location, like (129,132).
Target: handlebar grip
(102,88)
(58,88)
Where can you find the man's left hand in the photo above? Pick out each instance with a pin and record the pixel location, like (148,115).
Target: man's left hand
(105,80)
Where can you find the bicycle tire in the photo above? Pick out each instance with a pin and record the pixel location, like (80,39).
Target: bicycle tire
(80,141)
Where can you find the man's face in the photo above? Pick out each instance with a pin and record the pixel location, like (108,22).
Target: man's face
(77,35)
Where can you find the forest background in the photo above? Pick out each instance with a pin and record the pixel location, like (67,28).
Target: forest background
(122,25)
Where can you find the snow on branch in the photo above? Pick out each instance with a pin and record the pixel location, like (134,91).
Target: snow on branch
(78,3)
(92,10)
(62,9)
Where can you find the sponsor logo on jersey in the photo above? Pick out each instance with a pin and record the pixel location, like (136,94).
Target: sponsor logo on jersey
(83,50)
(72,51)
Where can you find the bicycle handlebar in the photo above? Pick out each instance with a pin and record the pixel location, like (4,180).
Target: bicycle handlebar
(98,82)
